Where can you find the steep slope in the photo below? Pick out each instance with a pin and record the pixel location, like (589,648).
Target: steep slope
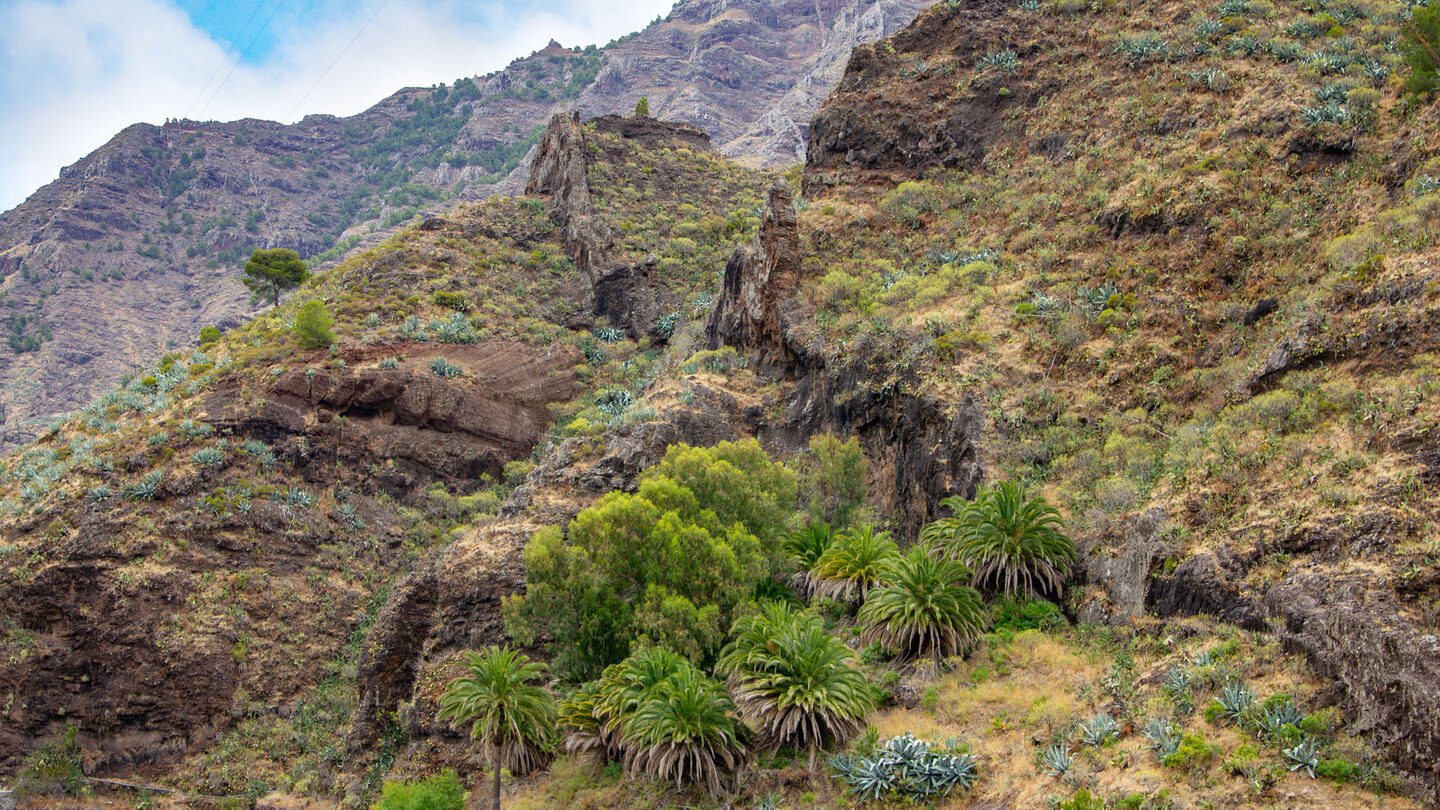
(137,246)
(1149,239)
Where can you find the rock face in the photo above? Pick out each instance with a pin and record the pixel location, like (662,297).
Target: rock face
(759,304)
(751,73)
(877,121)
(135,248)
(921,450)
(110,654)
(621,288)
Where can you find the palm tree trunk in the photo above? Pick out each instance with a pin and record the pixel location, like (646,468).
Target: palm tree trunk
(495,763)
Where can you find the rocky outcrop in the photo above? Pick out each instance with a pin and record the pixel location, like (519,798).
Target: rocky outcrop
(921,450)
(620,289)
(759,304)
(426,428)
(1350,628)
(884,119)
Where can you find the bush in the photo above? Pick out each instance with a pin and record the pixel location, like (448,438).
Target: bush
(1422,50)
(1194,754)
(440,792)
(832,479)
(55,764)
(209,335)
(459,302)
(312,325)
(1015,614)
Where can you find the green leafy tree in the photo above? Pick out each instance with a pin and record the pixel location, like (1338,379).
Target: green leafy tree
(269,273)
(668,563)
(312,325)
(852,565)
(642,108)
(1012,543)
(1421,47)
(794,683)
(924,607)
(832,479)
(512,717)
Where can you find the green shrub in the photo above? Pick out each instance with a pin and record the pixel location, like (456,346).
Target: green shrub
(1338,770)
(1421,46)
(459,302)
(312,325)
(440,792)
(209,334)
(1194,754)
(55,764)
(1015,613)
(1082,800)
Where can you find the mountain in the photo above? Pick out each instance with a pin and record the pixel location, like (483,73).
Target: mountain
(138,246)
(1141,261)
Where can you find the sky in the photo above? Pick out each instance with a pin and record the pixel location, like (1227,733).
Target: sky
(75,72)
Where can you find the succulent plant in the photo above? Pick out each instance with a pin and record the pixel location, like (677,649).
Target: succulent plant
(1305,756)
(1057,759)
(1099,730)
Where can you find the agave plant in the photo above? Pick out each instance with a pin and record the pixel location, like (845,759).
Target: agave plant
(853,563)
(806,546)
(1275,717)
(1162,737)
(794,683)
(1057,759)
(924,607)
(1203,659)
(1099,730)
(685,732)
(907,766)
(1012,542)
(1305,756)
(1235,700)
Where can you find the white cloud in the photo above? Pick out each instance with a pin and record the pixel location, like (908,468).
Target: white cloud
(75,72)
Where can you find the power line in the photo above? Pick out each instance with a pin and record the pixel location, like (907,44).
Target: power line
(226,57)
(337,59)
(256,39)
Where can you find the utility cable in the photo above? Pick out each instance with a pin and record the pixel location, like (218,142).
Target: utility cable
(226,57)
(238,62)
(336,60)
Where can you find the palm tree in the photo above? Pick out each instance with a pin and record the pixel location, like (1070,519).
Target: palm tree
(685,731)
(625,686)
(852,564)
(805,546)
(509,715)
(1012,543)
(924,607)
(794,683)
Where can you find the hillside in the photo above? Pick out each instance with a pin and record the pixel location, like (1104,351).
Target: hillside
(1171,267)
(119,259)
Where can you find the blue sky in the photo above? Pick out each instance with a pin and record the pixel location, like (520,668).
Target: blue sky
(75,72)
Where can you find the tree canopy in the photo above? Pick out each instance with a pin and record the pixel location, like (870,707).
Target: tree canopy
(269,273)
(668,563)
